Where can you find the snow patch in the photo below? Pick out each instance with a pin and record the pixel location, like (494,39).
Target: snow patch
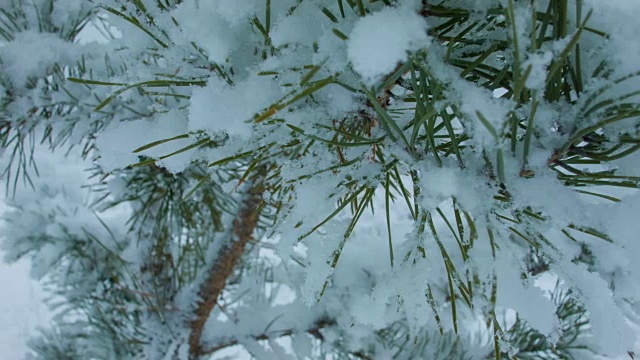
(380,41)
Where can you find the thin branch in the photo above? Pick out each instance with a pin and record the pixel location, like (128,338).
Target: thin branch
(314,331)
(241,233)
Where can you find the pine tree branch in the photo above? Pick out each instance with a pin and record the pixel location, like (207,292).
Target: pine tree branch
(314,331)
(241,233)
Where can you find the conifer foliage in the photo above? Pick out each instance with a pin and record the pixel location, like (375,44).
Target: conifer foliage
(326,179)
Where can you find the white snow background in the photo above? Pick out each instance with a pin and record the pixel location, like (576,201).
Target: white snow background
(21,308)
(22,299)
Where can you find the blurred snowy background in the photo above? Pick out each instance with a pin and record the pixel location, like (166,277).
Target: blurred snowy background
(21,308)
(22,299)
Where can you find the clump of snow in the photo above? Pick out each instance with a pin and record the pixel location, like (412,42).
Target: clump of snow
(339,99)
(63,9)
(380,41)
(198,22)
(528,300)
(287,30)
(538,75)
(130,135)
(235,11)
(611,333)
(57,207)
(220,107)
(441,184)
(31,54)
(621,45)
(474,100)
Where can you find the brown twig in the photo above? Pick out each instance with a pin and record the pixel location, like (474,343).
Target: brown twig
(240,234)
